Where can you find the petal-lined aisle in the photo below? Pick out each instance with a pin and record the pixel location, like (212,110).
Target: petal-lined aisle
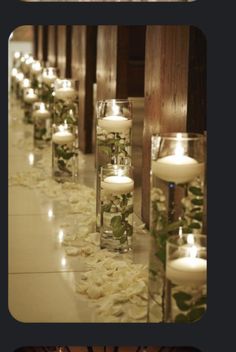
(57,272)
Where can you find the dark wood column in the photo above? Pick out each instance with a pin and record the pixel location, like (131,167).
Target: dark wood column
(42,43)
(174,88)
(36,41)
(64,50)
(84,70)
(120,61)
(52,45)
(61,53)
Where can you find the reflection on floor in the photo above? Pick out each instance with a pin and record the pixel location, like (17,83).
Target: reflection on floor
(53,250)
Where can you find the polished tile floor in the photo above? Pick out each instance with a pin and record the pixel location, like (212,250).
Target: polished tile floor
(41,276)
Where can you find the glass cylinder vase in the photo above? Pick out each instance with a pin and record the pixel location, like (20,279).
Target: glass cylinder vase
(48,77)
(64,153)
(116,207)
(42,124)
(113,138)
(176,203)
(30,97)
(186,272)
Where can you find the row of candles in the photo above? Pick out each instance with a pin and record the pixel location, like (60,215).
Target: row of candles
(178,255)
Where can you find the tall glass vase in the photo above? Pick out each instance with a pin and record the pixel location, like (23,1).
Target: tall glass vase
(113,138)
(42,124)
(176,203)
(186,273)
(116,207)
(64,153)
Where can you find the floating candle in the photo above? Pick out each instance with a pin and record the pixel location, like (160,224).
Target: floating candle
(115,123)
(177,168)
(65,91)
(30,96)
(187,271)
(118,184)
(49,75)
(42,112)
(63,136)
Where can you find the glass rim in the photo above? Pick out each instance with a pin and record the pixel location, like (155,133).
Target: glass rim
(185,136)
(171,239)
(119,101)
(116,167)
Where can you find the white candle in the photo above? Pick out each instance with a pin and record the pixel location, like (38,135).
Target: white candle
(42,112)
(177,168)
(118,184)
(30,97)
(63,136)
(25,83)
(14,72)
(20,76)
(187,271)
(115,123)
(65,93)
(36,67)
(49,76)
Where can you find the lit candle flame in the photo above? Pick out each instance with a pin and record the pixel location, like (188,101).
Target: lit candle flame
(193,251)
(115,108)
(16,54)
(66,84)
(42,107)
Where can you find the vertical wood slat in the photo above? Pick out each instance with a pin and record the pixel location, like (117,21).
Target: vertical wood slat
(84,70)
(52,45)
(61,45)
(120,65)
(197,81)
(166,91)
(106,62)
(40,43)
(35,41)
(64,46)
(175,88)
(43,43)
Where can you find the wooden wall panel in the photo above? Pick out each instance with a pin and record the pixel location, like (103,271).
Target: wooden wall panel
(197,82)
(120,61)
(40,42)
(43,43)
(52,45)
(173,55)
(35,41)
(166,78)
(61,45)
(84,70)
(64,46)
(106,62)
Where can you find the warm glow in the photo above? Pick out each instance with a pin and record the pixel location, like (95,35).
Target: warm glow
(30,91)
(50,213)
(179,150)
(66,84)
(190,239)
(36,66)
(42,107)
(31,159)
(115,108)
(14,72)
(16,54)
(60,236)
(20,76)
(29,60)
(193,251)
(26,83)
(63,262)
